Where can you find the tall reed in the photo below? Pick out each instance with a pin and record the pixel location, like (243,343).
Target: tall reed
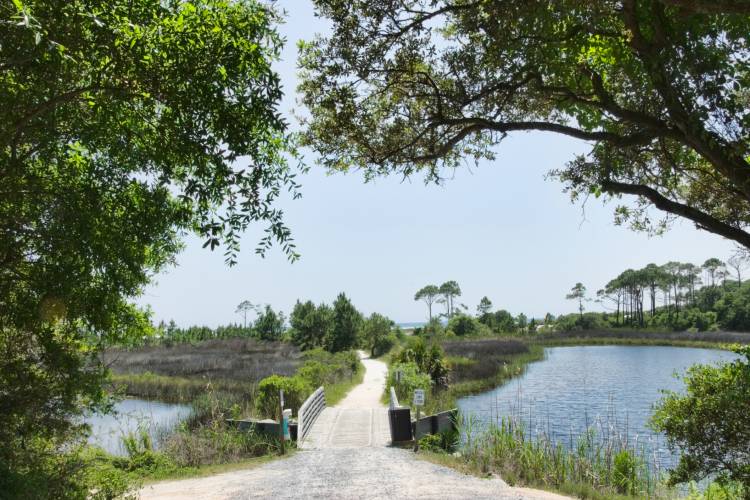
(607,465)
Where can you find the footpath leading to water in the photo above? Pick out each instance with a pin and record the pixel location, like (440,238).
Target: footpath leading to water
(346,455)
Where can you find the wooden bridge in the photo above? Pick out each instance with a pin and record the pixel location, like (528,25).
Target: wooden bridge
(359,420)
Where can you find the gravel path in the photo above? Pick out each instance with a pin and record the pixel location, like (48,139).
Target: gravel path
(346,456)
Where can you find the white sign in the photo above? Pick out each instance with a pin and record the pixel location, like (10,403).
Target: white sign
(281,396)
(418,397)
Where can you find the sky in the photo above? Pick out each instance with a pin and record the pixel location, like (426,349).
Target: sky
(500,230)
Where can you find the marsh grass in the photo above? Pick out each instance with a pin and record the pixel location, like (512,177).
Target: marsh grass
(480,365)
(238,359)
(718,340)
(179,389)
(600,463)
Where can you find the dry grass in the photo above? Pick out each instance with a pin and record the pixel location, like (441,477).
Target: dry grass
(643,337)
(246,360)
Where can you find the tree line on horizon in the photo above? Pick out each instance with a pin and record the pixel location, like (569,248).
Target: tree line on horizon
(334,328)
(675,295)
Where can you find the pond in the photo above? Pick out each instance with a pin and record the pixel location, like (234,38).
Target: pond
(610,388)
(131,415)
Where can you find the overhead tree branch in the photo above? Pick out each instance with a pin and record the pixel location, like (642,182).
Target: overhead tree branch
(711,6)
(701,219)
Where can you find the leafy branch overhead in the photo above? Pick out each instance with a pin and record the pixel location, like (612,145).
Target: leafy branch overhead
(659,89)
(164,99)
(123,125)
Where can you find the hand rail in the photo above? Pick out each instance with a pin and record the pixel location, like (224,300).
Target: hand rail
(394,399)
(309,412)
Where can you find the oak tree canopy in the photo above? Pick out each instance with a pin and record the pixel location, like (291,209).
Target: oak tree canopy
(660,89)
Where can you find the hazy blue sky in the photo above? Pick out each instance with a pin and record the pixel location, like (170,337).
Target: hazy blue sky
(500,230)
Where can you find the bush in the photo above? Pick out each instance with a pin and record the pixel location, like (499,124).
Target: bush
(296,390)
(430,361)
(216,443)
(442,442)
(686,320)
(625,472)
(384,344)
(709,422)
(411,379)
(576,322)
(463,325)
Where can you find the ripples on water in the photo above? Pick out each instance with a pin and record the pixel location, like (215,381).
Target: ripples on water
(610,388)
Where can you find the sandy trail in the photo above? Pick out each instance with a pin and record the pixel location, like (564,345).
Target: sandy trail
(346,456)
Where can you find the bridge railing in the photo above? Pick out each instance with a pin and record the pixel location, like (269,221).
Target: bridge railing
(309,412)
(394,399)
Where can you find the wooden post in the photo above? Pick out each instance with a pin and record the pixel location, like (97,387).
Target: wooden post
(281,420)
(416,428)
(417,401)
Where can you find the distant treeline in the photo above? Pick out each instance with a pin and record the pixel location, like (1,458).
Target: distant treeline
(675,296)
(335,328)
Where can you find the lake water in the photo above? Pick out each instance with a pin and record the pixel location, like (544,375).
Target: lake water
(610,388)
(131,415)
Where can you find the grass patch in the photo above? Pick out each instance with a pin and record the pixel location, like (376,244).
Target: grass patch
(178,389)
(213,469)
(712,340)
(480,365)
(240,359)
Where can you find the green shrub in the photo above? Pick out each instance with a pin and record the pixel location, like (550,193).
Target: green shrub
(315,373)
(440,443)
(717,491)
(430,361)
(384,344)
(708,422)
(625,472)
(463,325)
(575,322)
(296,390)
(411,379)
(217,443)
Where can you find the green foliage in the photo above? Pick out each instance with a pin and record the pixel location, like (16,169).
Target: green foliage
(601,469)
(121,124)
(709,423)
(296,389)
(376,334)
(463,325)
(310,324)
(732,308)
(500,321)
(684,320)
(717,491)
(443,442)
(411,378)
(346,323)
(484,307)
(428,360)
(269,325)
(324,368)
(578,293)
(450,290)
(209,444)
(45,378)
(625,472)
(659,89)
(429,294)
(385,343)
(574,322)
